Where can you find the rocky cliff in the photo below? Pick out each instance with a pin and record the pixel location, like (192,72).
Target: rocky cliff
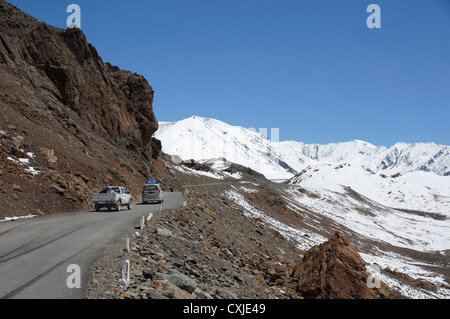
(63,69)
(67,117)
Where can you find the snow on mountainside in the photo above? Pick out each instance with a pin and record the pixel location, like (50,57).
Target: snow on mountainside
(200,139)
(415,190)
(399,158)
(407,176)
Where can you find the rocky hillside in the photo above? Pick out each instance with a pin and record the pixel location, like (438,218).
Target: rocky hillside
(211,250)
(240,236)
(69,122)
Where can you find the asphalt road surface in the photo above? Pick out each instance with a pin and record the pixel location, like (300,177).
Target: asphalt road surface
(43,257)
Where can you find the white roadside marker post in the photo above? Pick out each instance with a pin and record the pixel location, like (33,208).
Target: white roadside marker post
(142,222)
(127,244)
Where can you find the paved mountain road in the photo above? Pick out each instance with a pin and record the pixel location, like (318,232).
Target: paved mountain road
(35,253)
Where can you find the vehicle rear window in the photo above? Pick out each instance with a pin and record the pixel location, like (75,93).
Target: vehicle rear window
(151,188)
(109,189)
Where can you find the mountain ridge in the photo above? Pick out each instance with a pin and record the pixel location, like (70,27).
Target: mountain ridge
(389,157)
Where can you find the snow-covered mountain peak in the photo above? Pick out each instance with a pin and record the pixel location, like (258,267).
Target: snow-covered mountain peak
(202,138)
(403,175)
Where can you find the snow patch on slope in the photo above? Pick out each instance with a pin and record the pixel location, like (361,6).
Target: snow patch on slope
(293,234)
(377,222)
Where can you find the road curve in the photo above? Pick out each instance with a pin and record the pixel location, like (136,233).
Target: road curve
(35,254)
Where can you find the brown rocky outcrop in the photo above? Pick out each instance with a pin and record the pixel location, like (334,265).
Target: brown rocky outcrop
(63,65)
(335,270)
(77,114)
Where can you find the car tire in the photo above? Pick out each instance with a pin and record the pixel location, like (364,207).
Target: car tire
(118,206)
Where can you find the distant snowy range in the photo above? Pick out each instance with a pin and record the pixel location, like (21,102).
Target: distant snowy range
(412,176)
(395,197)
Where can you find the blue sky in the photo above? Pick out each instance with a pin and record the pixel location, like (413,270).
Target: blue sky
(311,68)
